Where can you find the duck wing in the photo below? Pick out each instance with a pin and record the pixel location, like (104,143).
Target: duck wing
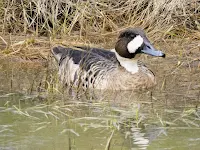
(99,51)
(85,57)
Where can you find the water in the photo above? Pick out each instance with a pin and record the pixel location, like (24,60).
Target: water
(35,116)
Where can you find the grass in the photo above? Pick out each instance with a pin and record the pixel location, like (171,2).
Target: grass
(108,116)
(78,22)
(89,18)
(28,30)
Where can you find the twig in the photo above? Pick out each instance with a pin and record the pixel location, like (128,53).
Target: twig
(3,40)
(109,141)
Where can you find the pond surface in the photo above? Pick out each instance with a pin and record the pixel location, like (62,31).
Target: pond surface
(36,115)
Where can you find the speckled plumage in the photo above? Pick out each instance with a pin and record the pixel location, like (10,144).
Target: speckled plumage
(103,69)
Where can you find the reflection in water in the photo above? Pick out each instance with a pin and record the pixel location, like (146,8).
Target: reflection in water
(34,114)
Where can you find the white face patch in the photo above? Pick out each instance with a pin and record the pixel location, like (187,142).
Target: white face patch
(134,44)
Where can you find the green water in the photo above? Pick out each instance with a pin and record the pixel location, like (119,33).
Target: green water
(36,116)
(28,123)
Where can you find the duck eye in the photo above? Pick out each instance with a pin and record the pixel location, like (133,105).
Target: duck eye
(148,47)
(132,36)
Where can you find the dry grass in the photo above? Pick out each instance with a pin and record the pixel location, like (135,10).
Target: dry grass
(91,17)
(84,20)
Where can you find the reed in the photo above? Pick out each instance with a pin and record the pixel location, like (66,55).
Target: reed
(99,17)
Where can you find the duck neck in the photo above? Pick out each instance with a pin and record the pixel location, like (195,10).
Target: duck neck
(129,64)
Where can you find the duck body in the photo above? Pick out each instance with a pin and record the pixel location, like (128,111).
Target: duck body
(93,68)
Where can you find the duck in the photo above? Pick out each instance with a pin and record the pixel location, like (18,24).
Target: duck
(115,69)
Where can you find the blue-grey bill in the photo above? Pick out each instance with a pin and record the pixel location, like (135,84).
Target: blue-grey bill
(149,49)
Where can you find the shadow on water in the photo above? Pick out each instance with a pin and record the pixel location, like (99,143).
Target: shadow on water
(36,115)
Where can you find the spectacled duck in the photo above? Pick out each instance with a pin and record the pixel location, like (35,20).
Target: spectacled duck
(116,69)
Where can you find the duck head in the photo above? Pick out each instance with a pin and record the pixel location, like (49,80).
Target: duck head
(134,41)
